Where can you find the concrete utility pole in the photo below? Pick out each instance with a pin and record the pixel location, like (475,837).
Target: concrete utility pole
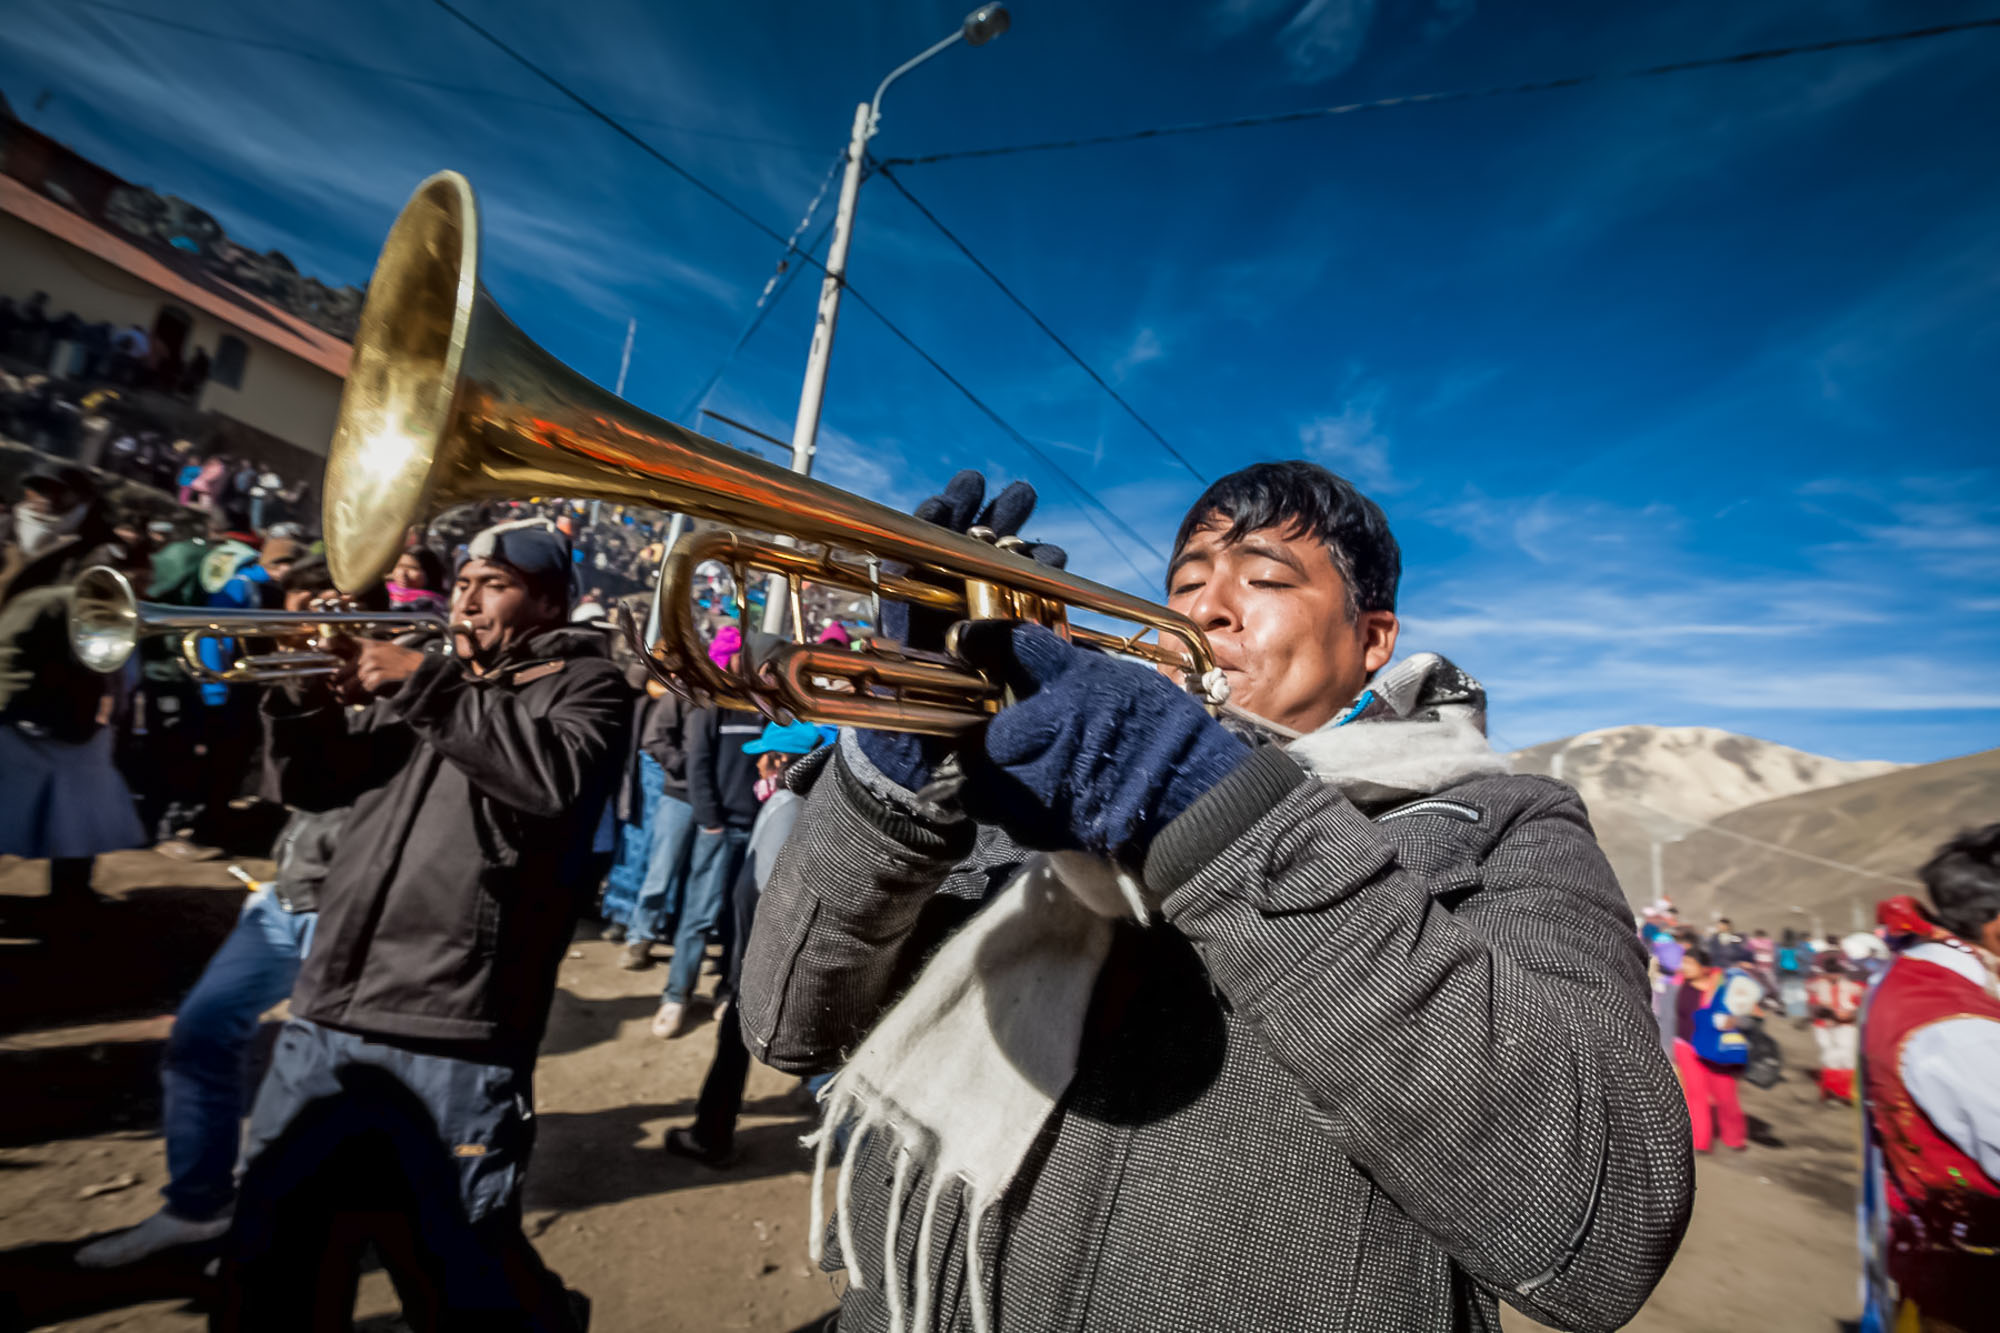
(981,26)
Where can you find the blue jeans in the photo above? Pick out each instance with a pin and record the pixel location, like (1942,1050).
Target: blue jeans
(203,1072)
(627,879)
(718,859)
(667,873)
(345,1122)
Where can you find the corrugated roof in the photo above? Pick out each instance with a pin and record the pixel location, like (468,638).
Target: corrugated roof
(224,301)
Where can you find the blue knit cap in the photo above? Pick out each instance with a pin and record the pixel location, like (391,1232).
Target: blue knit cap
(532,548)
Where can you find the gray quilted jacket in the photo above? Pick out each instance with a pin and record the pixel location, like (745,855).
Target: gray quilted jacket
(1373,1073)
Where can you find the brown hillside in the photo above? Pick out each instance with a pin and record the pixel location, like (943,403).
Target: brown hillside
(1646,785)
(1887,825)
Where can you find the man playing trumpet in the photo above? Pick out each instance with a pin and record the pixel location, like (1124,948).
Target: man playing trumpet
(402,1083)
(1319,1021)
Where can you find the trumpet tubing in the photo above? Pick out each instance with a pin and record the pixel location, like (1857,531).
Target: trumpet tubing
(448,402)
(107,620)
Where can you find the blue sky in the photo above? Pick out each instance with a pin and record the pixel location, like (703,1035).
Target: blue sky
(1679,392)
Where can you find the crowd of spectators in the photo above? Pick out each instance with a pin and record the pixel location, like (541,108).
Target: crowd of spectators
(68,346)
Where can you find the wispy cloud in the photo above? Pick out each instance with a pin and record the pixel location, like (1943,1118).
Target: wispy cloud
(1574,608)
(1549,528)
(1320,39)
(1448,17)
(1944,525)
(1145,347)
(1351,442)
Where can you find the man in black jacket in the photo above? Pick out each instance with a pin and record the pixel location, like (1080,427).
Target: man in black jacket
(722,788)
(402,1083)
(1320,1019)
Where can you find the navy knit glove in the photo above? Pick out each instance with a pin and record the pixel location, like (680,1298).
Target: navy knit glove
(905,759)
(1097,753)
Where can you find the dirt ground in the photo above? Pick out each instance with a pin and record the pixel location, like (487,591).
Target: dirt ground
(657,1243)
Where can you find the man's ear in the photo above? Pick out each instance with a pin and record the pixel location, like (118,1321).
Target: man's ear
(1989,938)
(1378,639)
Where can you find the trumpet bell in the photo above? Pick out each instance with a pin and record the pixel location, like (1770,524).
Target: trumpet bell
(397,403)
(103,619)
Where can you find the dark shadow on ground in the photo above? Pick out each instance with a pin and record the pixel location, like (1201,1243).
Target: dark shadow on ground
(820,1324)
(77,1091)
(39,1285)
(1762,1134)
(577,1024)
(137,955)
(598,1157)
(74,1091)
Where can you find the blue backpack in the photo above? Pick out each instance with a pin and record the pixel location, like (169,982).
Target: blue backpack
(1720,1046)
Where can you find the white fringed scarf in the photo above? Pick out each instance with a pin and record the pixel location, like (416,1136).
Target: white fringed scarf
(964,1071)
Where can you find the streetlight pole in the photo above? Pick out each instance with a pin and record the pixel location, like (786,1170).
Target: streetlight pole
(981,26)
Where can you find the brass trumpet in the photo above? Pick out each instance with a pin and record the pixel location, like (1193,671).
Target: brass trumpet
(107,620)
(448,402)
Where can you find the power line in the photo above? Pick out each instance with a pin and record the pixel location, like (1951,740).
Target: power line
(1461,95)
(1041,324)
(619,128)
(1829,862)
(779,282)
(417,80)
(766,303)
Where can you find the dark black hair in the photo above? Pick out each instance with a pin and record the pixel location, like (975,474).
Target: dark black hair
(311,574)
(1964,881)
(435,578)
(1700,953)
(1305,500)
(308,574)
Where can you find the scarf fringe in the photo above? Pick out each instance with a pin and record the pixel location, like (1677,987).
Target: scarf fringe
(892,1287)
(926,1234)
(844,1114)
(843,1208)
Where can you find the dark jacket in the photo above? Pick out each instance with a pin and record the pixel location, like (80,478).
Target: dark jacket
(1371,1073)
(303,852)
(42,685)
(662,735)
(458,875)
(657,726)
(722,780)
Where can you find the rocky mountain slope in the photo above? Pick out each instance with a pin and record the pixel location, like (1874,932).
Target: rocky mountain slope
(1845,847)
(1647,786)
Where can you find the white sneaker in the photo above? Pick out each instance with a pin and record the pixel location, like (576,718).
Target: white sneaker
(160,1232)
(671,1021)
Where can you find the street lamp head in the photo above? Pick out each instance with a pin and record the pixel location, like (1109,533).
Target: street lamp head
(985,23)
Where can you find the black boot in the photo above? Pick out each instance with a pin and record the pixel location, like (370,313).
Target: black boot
(69,884)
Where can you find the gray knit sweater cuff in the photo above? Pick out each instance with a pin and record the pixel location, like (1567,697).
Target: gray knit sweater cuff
(1220,816)
(873,798)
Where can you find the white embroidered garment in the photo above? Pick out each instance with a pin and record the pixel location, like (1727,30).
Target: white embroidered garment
(965,1070)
